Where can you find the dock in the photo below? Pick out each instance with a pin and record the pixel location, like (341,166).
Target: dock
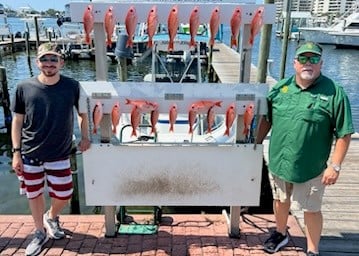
(206,234)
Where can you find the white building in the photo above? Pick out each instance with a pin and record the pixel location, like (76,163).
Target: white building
(333,8)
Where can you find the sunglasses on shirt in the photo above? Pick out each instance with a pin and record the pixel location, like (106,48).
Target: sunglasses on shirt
(304,59)
(53,59)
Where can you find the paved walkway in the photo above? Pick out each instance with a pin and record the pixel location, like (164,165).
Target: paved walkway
(178,235)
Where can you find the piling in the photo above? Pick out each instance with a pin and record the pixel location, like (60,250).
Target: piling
(12,38)
(264,50)
(283,61)
(27,43)
(37,32)
(5,100)
(75,199)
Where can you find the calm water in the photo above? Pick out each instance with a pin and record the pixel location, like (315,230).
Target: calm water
(338,63)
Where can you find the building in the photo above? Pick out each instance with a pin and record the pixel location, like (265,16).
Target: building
(327,8)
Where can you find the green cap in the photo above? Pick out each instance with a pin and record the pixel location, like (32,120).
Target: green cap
(308,47)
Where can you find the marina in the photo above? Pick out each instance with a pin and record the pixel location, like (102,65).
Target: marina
(343,33)
(202,234)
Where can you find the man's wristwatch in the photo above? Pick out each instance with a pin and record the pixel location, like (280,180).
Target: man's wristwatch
(336,167)
(13,150)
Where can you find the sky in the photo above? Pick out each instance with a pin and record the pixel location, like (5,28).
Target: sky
(38,5)
(44,5)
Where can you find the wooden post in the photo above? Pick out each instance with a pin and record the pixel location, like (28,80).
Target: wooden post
(288,4)
(5,100)
(264,50)
(12,38)
(75,201)
(122,68)
(245,56)
(27,43)
(49,33)
(37,32)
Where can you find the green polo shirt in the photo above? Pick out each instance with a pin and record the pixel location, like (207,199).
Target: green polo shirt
(304,123)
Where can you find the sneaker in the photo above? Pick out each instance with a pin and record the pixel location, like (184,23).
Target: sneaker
(35,246)
(53,227)
(312,254)
(275,242)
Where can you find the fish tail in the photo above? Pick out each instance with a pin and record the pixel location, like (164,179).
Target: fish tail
(233,42)
(170,46)
(109,41)
(226,133)
(87,38)
(192,43)
(114,130)
(218,103)
(211,41)
(129,43)
(209,129)
(95,130)
(190,130)
(251,39)
(149,43)
(245,130)
(153,130)
(134,133)
(128,101)
(171,128)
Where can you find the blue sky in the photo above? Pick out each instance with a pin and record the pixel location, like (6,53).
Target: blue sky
(43,5)
(39,5)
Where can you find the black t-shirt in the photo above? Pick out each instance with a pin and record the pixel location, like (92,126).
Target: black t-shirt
(49,117)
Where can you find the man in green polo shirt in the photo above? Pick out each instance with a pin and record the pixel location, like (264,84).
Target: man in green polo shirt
(306,113)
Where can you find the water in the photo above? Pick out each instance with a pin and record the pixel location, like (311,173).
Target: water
(339,64)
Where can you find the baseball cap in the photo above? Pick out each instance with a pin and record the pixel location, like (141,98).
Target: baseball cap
(309,47)
(48,48)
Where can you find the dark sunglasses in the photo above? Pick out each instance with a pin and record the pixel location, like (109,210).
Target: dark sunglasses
(304,59)
(53,59)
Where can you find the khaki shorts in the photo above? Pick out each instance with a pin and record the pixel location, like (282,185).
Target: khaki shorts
(305,196)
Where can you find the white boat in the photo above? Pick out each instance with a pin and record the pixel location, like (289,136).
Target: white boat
(181,130)
(4,26)
(30,25)
(297,19)
(346,39)
(344,32)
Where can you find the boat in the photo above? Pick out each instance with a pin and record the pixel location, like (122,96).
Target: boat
(346,39)
(4,26)
(297,19)
(181,127)
(33,21)
(343,33)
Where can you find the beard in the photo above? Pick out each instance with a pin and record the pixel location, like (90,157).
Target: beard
(307,75)
(50,72)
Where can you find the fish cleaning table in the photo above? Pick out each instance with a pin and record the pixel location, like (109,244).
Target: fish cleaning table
(172,174)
